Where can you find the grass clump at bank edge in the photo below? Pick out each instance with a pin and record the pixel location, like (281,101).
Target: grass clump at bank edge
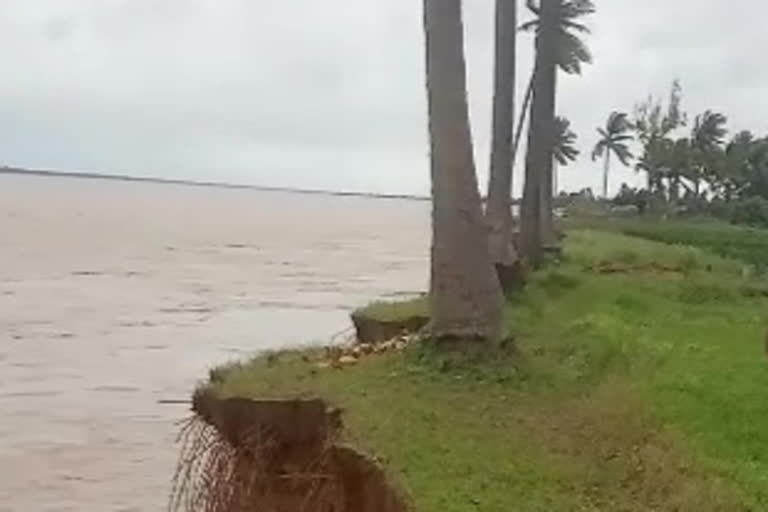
(623,392)
(388,311)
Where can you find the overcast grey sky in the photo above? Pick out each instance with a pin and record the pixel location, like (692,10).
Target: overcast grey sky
(326,94)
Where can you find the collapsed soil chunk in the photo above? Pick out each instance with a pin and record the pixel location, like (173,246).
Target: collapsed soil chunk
(242,455)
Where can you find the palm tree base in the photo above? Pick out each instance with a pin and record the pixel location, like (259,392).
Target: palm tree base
(511,277)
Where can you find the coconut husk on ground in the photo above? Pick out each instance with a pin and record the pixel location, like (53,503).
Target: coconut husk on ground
(348,354)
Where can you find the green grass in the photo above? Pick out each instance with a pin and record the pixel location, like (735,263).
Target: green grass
(749,245)
(383,311)
(638,390)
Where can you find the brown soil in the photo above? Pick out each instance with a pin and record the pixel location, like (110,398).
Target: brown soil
(243,455)
(371,330)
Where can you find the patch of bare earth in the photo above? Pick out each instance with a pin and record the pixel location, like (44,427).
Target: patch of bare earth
(242,455)
(620,459)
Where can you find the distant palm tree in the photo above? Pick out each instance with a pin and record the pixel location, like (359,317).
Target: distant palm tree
(707,137)
(556,47)
(613,140)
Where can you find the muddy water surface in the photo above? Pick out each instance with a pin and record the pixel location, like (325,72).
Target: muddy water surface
(116,295)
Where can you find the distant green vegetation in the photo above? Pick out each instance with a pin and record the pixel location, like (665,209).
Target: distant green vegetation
(636,382)
(748,245)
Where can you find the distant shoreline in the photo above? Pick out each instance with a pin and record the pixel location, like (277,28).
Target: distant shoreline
(193,183)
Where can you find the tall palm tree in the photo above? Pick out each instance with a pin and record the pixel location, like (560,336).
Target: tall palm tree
(614,138)
(465,297)
(499,207)
(572,52)
(556,45)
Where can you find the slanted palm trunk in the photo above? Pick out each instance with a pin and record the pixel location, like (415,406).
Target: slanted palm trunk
(538,162)
(465,298)
(499,209)
(521,120)
(606,170)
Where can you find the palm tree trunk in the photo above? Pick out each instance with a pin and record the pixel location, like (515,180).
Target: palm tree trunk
(521,121)
(606,170)
(538,163)
(547,178)
(499,207)
(555,178)
(465,297)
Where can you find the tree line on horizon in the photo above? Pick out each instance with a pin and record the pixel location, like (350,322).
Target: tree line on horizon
(692,166)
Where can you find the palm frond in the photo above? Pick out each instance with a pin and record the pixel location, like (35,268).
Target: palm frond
(598,150)
(529,26)
(618,123)
(571,9)
(622,138)
(564,149)
(623,153)
(578,27)
(708,130)
(572,53)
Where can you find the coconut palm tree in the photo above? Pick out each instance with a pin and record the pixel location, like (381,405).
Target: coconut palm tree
(499,207)
(465,297)
(707,137)
(614,138)
(572,52)
(556,45)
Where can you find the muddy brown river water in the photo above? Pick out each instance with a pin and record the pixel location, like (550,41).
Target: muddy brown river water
(117,295)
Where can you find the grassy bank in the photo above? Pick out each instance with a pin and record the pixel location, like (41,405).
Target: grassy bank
(636,382)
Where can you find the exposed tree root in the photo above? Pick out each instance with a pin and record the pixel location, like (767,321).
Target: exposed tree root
(242,455)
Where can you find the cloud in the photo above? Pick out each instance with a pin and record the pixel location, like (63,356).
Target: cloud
(324,94)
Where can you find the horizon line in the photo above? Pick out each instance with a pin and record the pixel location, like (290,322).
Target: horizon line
(195,183)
